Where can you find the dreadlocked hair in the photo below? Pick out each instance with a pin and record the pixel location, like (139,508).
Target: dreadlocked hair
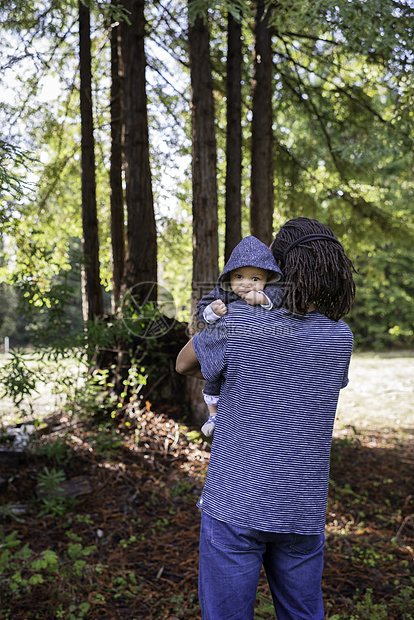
(315,271)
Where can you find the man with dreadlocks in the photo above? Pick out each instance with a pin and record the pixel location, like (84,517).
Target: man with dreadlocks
(264,499)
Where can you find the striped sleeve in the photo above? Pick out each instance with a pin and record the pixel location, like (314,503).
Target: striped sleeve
(210,347)
(345,379)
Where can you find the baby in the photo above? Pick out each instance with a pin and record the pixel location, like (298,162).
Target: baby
(250,274)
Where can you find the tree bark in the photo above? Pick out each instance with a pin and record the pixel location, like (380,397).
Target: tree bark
(234,138)
(92,300)
(140,271)
(261,198)
(117,196)
(204,184)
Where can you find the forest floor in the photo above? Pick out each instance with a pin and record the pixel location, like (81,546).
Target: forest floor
(127,548)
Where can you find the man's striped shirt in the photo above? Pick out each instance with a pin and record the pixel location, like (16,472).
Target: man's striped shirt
(269,465)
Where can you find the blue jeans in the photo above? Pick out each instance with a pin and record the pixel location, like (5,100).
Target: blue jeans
(230,562)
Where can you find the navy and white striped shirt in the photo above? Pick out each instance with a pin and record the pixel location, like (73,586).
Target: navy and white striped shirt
(269,465)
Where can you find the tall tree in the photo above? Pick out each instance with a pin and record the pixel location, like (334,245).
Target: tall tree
(261,188)
(92,290)
(233,137)
(140,272)
(204,157)
(117,197)
(204,181)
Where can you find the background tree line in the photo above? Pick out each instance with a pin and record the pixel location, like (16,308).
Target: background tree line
(158,134)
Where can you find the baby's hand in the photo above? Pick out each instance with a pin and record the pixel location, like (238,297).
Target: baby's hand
(255,298)
(219,307)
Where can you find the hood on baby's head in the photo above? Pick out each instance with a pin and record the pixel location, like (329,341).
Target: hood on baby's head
(250,252)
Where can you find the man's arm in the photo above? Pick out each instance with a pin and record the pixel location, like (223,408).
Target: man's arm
(187,362)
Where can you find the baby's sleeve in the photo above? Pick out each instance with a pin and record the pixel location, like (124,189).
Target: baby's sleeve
(206,301)
(275,294)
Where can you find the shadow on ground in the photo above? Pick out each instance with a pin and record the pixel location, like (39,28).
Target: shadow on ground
(129,548)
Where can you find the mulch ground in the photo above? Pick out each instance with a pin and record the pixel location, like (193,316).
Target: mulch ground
(135,535)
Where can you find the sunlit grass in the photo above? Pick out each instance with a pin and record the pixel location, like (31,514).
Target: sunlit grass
(380,392)
(56,382)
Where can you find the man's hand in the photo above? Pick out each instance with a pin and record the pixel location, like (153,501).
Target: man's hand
(219,307)
(256,298)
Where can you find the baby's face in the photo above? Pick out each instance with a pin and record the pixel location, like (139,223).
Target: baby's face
(247,279)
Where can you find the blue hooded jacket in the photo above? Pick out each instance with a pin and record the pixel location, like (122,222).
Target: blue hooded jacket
(250,252)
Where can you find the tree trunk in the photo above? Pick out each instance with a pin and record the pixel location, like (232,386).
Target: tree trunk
(234,138)
(204,183)
(117,197)
(92,300)
(140,271)
(261,199)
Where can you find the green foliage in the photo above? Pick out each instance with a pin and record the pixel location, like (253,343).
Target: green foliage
(51,495)
(28,374)
(96,398)
(48,286)
(237,8)
(118,13)
(185,606)
(404,599)
(142,335)
(366,609)
(181,489)
(14,166)
(73,375)
(383,315)
(105,442)
(17,380)
(264,607)
(343,146)
(50,480)
(22,570)
(8,310)
(174,258)
(363,606)
(77,553)
(56,451)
